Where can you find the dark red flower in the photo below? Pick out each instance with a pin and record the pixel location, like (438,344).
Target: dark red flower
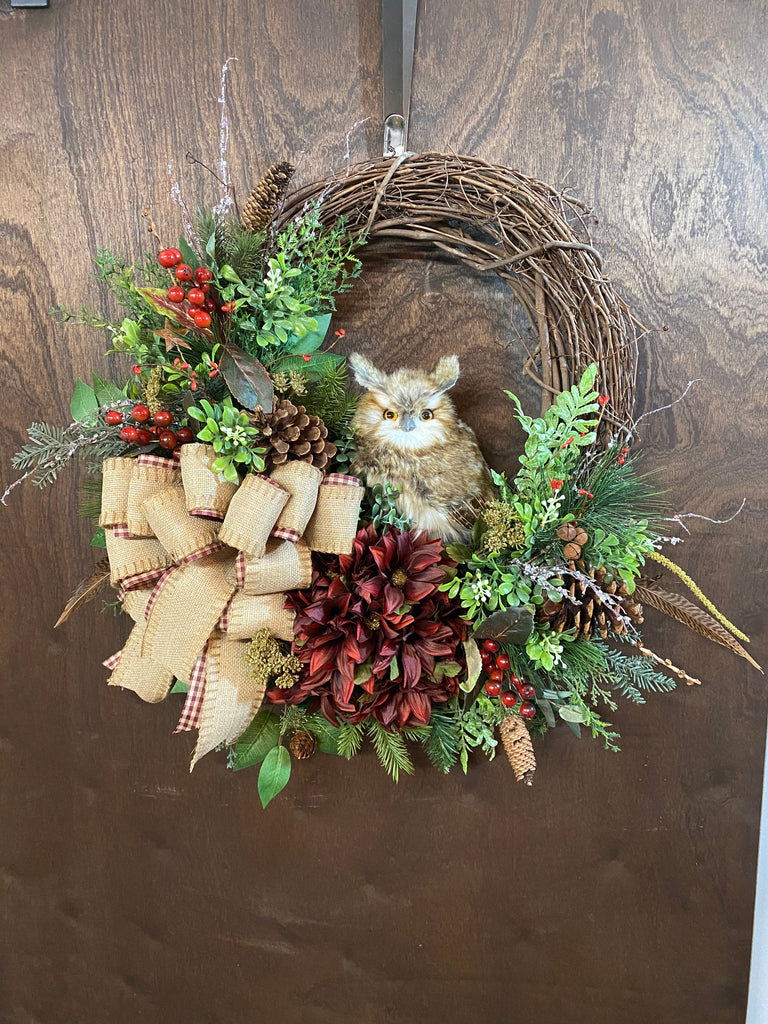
(371,629)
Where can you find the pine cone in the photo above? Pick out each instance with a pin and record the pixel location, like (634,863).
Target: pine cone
(518,747)
(261,205)
(584,610)
(302,744)
(291,433)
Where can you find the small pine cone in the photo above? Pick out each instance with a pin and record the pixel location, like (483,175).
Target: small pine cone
(518,747)
(261,205)
(291,433)
(302,744)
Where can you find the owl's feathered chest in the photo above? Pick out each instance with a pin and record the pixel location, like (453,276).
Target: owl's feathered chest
(440,475)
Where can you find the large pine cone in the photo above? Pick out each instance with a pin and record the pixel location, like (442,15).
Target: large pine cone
(291,433)
(585,611)
(261,205)
(518,747)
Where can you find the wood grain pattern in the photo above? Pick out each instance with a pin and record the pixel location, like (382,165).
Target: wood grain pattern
(619,888)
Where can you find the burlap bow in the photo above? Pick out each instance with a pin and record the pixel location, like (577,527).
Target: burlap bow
(202,564)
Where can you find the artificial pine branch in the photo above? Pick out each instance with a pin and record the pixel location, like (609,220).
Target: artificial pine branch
(390,749)
(442,740)
(350,739)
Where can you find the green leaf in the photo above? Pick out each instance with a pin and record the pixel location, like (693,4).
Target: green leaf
(190,257)
(312,340)
(510,625)
(274,774)
(326,735)
(247,379)
(83,401)
(459,552)
(99,539)
(572,714)
(179,687)
(257,740)
(474,665)
(447,668)
(106,392)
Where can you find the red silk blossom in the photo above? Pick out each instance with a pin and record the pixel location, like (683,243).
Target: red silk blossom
(371,630)
(555,484)
(603,399)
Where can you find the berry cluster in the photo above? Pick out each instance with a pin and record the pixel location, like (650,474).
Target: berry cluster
(146,433)
(199,305)
(497,664)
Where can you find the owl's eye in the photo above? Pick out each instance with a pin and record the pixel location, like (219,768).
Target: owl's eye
(390,414)
(427,414)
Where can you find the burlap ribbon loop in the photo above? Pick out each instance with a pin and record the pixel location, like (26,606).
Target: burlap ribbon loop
(203,565)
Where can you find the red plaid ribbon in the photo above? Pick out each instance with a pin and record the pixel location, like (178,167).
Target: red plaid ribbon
(141,579)
(190,714)
(240,570)
(217,545)
(157,462)
(122,531)
(207,513)
(286,533)
(112,661)
(341,478)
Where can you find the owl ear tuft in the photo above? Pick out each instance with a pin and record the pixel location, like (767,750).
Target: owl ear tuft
(445,374)
(366,374)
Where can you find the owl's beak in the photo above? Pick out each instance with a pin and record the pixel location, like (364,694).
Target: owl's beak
(407,423)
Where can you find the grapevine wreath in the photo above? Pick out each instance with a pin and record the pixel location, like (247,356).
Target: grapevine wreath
(281,583)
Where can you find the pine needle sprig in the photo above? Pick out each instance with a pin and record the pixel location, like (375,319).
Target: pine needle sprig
(635,675)
(390,749)
(350,739)
(51,448)
(442,739)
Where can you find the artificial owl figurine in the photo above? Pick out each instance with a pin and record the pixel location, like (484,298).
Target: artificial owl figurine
(408,435)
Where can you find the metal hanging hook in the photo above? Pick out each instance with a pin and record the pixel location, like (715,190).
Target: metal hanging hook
(398,22)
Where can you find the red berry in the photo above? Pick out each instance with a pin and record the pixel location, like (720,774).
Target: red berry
(527,710)
(202,274)
(163,418)
(176,293)
(227,307)
(169,258)
(527,692)
(167,439)
(140,413)
(184,272)
(114,417)
(509,698)
(491,645)
(184,435)
(143,437)
(209,305)
(196,296)
(496,675)
(487,659)
(205,287)
(492,688)
(201,318)
(129,434)
(502,660)
(136,369)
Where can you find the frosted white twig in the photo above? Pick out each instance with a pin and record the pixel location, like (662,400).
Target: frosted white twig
(695,515)
(661,408)
(226,202)
(175,193)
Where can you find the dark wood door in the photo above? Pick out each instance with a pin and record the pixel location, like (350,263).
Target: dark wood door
(619,889)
